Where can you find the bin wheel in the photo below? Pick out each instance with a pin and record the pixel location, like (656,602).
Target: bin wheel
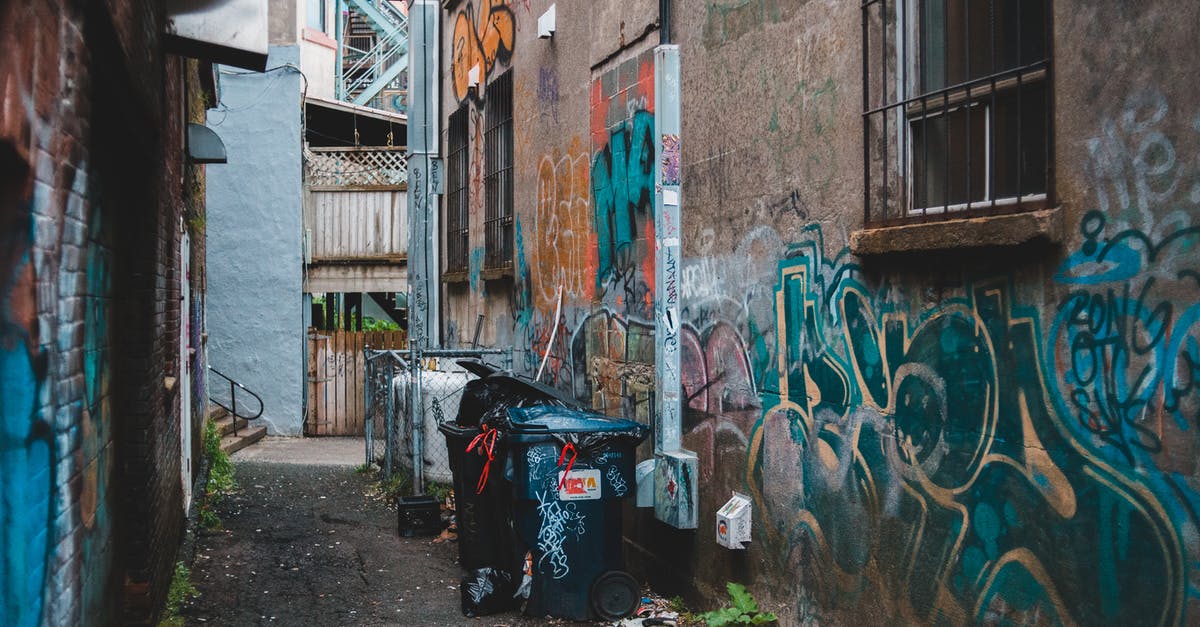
(615,595)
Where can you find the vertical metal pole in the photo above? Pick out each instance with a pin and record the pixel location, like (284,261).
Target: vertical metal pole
(416,423)
(668,415)
(389,420)
(338,35)
(368,421)
(233,402)
(676,470)
(423,167)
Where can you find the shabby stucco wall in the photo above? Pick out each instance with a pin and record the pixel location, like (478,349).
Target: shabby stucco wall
(959,436)
(255,300)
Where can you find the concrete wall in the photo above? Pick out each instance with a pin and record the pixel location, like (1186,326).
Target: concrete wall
(956,436)
(93,188)
(255,300)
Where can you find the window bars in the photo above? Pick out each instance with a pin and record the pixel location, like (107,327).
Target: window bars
(457,194)
(957,108)
(498,174)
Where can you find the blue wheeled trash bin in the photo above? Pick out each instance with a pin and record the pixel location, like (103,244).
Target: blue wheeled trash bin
(477,454)
(570,472)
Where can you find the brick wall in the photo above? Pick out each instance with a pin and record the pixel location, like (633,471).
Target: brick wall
(92,192)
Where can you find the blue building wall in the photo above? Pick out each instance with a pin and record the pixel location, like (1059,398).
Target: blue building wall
(255,299)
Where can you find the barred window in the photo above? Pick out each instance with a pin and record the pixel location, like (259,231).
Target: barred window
(956,108)
(457,194)
(498,175)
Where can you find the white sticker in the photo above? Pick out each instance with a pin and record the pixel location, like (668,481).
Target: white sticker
(670,197)
(579,485)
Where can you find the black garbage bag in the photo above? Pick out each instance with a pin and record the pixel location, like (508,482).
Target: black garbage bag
(488,591)
(487,398)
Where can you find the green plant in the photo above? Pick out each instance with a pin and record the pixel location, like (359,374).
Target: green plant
(221,481)
(372,324)
(180,591)
(399,484)
(364,468)
(742,611)
(439,491)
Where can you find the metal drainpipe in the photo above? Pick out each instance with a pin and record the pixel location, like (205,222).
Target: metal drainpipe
(676,471)
(664,22)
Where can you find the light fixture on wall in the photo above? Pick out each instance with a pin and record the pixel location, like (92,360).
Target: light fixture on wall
(204,145)
(546,24)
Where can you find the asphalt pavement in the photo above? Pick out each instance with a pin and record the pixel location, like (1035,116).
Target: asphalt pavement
(308,541)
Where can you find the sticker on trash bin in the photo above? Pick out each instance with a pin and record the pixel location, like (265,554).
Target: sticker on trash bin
(579,485)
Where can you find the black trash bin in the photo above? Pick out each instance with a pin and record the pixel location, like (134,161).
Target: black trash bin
(482,497)
(570,471)
(482,500)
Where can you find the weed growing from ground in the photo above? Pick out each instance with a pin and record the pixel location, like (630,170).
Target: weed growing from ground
(180,591)
(221,481)
(743,610)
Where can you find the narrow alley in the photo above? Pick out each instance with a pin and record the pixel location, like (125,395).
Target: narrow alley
(307,540)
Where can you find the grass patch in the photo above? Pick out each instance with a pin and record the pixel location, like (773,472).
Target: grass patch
(221,481)
(180,591)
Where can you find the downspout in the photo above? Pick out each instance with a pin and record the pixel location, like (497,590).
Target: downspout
(676,471)
(664,22)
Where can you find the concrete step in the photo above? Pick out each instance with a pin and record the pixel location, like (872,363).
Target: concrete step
(234,443)
(216,412)
(226,424)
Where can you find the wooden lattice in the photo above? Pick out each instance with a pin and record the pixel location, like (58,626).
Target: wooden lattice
(353,167)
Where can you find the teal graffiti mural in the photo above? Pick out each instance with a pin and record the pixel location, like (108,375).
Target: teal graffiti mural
(26,437)
(1130,333)
(623,193)
(919,460)
(622,185)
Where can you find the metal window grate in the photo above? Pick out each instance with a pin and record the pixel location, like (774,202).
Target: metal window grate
(457,194)
(957,108)
(498,174)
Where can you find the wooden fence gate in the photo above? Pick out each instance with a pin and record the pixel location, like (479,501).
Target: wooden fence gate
(335,378)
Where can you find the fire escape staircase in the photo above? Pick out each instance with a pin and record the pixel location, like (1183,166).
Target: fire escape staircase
(373,49)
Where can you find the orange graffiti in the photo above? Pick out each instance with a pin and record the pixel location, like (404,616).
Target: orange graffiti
(561,255)
(478,48)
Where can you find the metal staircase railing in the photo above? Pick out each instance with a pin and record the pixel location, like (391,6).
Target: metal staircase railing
(234,386)
(363,74)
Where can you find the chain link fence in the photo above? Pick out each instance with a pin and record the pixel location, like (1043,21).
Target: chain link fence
(408,393)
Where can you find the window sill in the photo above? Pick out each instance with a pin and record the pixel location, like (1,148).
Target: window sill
(492,274)
(318,37)
(1001,230)
(460,276)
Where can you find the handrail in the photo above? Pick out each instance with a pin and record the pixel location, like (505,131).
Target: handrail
(233,388)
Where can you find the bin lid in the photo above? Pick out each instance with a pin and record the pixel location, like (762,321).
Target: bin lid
(477,367)
(553,419)
(529,386)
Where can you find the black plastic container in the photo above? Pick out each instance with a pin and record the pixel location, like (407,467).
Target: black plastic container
(419,516)
(570,471)
(484,528)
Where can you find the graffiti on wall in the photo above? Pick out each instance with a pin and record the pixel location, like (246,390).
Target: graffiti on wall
(622,185)
(563,252)
(933,469)
(1127,335)
(26,436)
(479,42)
